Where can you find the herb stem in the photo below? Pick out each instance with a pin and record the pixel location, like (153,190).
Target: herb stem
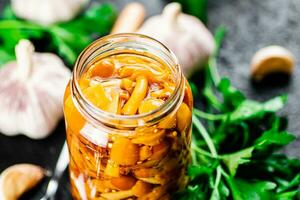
(15,24)
(233,189)
(208,116)
(213,151)
(212,61)
(212,98)
(202,151)
(215,193)
(219,36)
(205,136)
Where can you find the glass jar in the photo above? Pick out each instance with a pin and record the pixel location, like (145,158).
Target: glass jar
(122,154)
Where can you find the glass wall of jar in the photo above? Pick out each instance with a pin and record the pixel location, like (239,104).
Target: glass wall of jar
(128,119)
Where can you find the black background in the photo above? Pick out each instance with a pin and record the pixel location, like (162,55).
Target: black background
(251,24)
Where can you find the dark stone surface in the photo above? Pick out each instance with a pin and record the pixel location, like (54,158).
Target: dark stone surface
(251,24)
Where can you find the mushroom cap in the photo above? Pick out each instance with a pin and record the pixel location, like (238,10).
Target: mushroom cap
(271,59)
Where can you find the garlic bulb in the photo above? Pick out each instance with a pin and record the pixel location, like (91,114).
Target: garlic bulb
(17,179)
(184,34)
(47,12)
(31,92)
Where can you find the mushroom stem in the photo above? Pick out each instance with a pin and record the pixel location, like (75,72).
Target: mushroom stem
(171,13)
(24,51)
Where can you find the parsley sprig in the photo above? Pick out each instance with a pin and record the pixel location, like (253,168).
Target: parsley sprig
(235,143)
(67,39)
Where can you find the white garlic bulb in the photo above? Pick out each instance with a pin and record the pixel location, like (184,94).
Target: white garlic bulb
(47,12)
(31,92)
(184,34)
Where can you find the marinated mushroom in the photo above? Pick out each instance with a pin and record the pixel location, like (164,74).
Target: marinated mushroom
(129,165)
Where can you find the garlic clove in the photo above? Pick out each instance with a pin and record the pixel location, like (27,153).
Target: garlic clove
(184,34)
(32,92)
(17,179)
(271,59)
(47,11)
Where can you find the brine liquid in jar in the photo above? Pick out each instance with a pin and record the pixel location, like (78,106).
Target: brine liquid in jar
(128,120)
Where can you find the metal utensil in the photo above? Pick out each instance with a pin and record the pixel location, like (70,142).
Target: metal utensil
(61,165)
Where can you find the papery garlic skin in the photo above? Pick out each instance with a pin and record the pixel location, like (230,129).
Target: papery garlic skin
(185,35)
(47,12)
(31,99)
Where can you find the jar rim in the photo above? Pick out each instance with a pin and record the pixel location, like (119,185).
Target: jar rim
(89,109)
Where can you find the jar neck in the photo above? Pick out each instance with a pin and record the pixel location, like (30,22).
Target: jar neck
(117,44)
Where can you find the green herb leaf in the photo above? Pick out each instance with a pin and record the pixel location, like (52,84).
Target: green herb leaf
(68,39)
(212,99)
(271,137)
(233,160)
(275,104)
(197,8)
(195,90)
(281,165)
(232,97)
(191,193)
(72,37)
(224,190)
(250,109)
(288,195)
(8,13)
(258,190)
(251,131)
(199,170)
(11,32)
(5,57)
(294,183)
(64,40)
